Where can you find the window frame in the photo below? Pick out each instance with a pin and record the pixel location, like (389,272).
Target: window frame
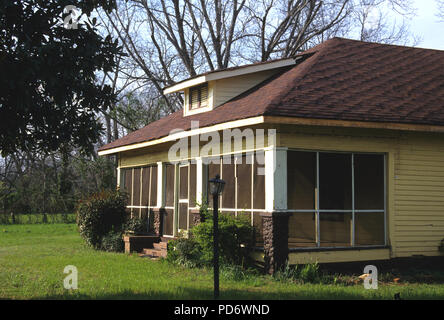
(353,210)
(198,88)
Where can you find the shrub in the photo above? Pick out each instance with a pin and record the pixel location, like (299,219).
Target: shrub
(235,239)
(185,252)
(100,214)
(135,225)
(113,242)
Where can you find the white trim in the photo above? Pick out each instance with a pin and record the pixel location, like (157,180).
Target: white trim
(199,180)
(217,75)
(160,183)
(188,133)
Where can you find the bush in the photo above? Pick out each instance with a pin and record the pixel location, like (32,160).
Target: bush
(185,252)
(100,214)
(135,225)
(113,242)
(235,239)
(235,242)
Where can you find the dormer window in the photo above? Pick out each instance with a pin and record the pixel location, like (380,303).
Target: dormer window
(198,97)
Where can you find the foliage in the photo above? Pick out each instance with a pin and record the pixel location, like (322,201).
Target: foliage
(100,214)
(235,242)
(308,273)
(135,225)
(184,252)
(235,238)
(37,183)
(50,96)
(113,242)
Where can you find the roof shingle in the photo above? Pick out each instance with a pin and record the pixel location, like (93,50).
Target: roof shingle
(340,79)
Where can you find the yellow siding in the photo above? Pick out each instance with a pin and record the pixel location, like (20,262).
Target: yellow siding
(226,89)
(419,195)
(338,256)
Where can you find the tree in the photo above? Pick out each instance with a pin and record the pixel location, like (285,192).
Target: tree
(167,41)
(440,4)
(48,90)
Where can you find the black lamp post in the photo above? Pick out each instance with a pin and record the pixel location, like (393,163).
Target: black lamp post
(216,187)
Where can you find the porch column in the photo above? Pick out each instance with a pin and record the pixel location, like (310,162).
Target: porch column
(275,219)
(275,233)
(159,210)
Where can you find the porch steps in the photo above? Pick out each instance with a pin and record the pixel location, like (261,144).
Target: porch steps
(159,250)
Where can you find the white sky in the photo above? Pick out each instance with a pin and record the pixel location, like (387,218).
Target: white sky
(427,25)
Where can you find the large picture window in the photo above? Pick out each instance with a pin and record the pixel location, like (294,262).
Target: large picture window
(336,199)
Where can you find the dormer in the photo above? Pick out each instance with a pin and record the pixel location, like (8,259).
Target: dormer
(210,90)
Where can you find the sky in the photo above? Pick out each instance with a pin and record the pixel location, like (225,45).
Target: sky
(427,25)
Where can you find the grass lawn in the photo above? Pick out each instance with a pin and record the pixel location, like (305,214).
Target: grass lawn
(33,257)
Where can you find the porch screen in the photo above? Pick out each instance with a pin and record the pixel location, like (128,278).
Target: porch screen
(336,199)
(141,186)
(244,193)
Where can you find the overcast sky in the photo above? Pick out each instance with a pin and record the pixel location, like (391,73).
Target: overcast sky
(427,25)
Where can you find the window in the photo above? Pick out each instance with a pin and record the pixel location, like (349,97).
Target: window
(336,199)
(244,192)
(198,97)
(141,186)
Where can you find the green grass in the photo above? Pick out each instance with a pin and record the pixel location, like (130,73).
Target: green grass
(32,259)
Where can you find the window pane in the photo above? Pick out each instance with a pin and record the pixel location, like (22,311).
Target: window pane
(128,183)
(369,181)
(183,182)
(302,230)
(213,170)
(335,181)
(335,229)
(301,180)
(243,173)
(168,222)
(259,181)
(369,228)
(194,98)
(193,177)
(203,96)
(136,187)
(145,185)
(169,186)
(258,229)
(153,199)
(228,200)
(183,213)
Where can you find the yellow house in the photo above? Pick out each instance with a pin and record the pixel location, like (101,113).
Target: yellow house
(336,154)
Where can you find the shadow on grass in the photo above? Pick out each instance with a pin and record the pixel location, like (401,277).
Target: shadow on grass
(202,294)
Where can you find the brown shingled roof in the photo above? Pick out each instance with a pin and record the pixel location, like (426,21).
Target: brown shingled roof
(341,79)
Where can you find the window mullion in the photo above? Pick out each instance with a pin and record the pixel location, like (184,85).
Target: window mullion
(318,228)
(353,199)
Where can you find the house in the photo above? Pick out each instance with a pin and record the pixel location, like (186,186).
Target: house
(337,154)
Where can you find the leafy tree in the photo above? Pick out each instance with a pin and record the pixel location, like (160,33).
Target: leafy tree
(48,90)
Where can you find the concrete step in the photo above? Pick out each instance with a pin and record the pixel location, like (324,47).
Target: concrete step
(160,245)
(155,253)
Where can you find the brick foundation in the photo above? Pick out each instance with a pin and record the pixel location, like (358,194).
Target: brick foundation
(275,233)
(158,220)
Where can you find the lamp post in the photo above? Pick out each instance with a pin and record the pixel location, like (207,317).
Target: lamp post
(216,187)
